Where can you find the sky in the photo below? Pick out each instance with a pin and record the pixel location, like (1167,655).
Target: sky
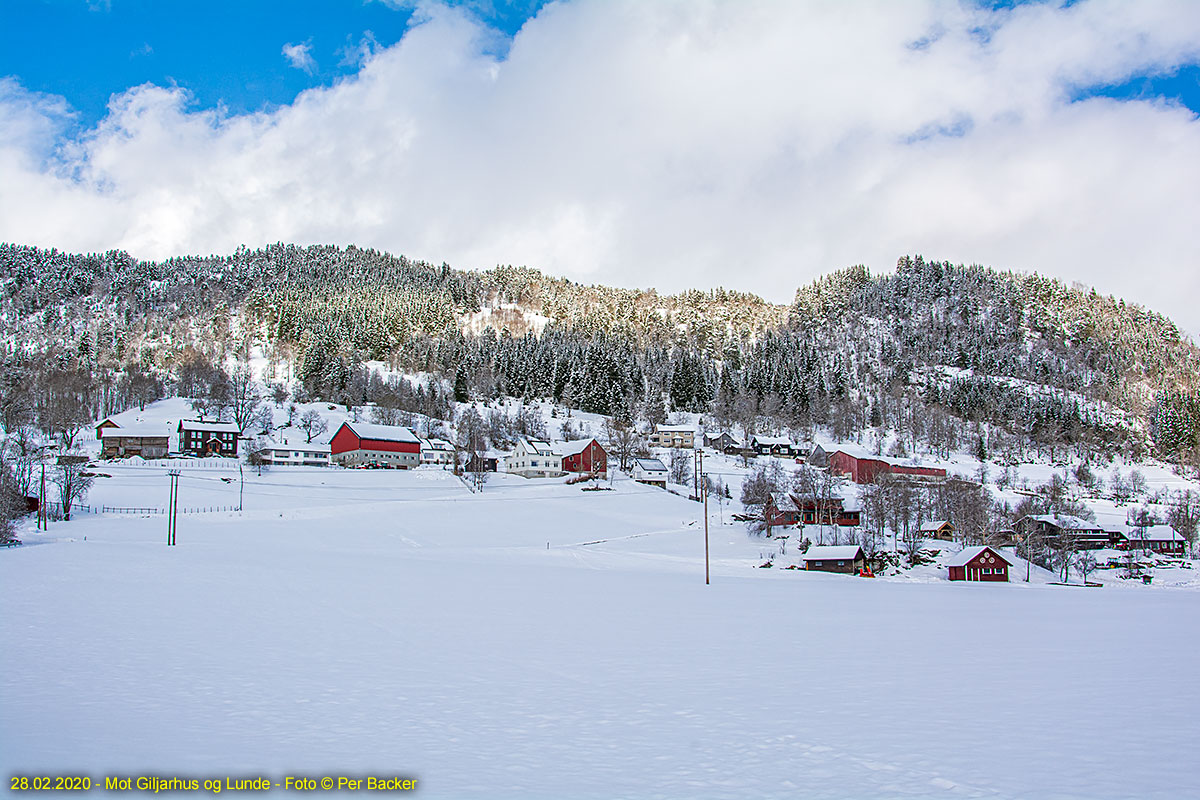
(751,144)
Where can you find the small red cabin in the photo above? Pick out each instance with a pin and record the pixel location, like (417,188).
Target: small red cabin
(979,564)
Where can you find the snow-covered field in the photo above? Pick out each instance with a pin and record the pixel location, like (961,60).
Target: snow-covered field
(536,640)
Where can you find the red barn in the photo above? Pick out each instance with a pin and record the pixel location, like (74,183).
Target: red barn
(359,444)
(979,564)
(864,469)
(582,455)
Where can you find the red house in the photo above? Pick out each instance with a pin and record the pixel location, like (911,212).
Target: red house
(979,564)
(864,469)
(784,509)
(357,444)
(582,455)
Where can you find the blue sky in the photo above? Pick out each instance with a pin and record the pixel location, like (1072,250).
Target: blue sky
(223,51)
(752,144)
(230,52)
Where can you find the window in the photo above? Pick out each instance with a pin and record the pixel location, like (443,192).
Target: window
(841,563)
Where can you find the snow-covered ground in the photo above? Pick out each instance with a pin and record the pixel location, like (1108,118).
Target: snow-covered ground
(536,640)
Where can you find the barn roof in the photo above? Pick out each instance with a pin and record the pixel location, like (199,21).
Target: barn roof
(138,431)
(383,433)
(833,552)
(574,447)
(964,557)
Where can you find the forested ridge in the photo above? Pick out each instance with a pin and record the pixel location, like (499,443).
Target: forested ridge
(946,355)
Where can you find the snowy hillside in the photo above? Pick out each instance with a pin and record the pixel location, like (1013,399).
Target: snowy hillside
(536,640)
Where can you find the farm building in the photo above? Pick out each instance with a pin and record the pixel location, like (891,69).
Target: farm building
(582,455)
(359,444)
(488,461)
(208,438)
(147,442)
(103,426)
(937,529)
(847,558)
(862,468)
(723,442)
(980,563)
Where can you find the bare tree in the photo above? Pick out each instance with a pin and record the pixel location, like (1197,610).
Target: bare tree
(622,439)
(1184,517)
(12,505)
(679,468)
(73,482)
(472,440)
(1085,562)
(244,397)
(1063,548)
(313,424)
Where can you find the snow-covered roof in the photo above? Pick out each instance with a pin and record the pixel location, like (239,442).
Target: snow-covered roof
(675,428)
(1065,522)
(536,446)
(773,440)
(574,447)
(436,444)
(833,552)
(933,526)
(383,433)
(311,447)
(783,501)
(135,431)
(207,426)
(1154,533)
(967,555)
(651,465)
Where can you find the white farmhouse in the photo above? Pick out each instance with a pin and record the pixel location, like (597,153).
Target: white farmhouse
(532,458)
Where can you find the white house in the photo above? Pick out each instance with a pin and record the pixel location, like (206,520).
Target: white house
(650,471)
(437,451)
(532,458)
(296,452)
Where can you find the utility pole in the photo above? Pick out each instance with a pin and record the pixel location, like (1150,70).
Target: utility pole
(172,507)
(241,486)
(704,494)
(43,521)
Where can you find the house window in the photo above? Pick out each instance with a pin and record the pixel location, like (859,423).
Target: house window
(841,563)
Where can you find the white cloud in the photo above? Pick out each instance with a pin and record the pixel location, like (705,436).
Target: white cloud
(748,144)
(300,56)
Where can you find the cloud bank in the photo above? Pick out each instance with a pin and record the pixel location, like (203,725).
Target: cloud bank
(751,144)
